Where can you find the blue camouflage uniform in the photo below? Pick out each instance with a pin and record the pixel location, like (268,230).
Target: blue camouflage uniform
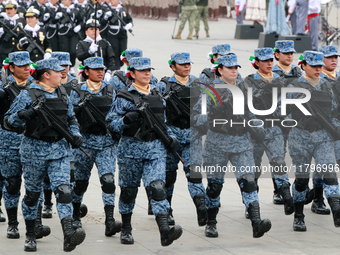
(102,148)
(128,54)
(184,136)
(11,168)
(207,76)
(41,157)
(219,148)
(137,159)
(305,143)
(295,71)
(329,51)
(63,59)
(274,138)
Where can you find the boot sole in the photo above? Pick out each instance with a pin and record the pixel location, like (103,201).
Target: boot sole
(115,229)
(174,234)
(2,220)
(76,239)
(30,249)
(211,235)
(323,212)
(290,211)
(123,241)
(43,233)
(13,236)
(202,218)
(298,229)
(264,227)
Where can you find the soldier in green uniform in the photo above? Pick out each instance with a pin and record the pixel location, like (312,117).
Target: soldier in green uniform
(189,9)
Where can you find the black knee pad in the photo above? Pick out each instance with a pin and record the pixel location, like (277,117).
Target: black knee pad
(108,183)
(330,178)
(301,183)
(170,178)
(247,183)
(214,190)
(13,185)
(157,190)
(63,194)
(128,194)
(80,187)
(31,198)
(72,176)
(47,179)
(194,176)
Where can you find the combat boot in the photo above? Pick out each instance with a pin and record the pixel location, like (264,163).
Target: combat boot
(178,36)
(318,205)
(287,199)
(277,198)
(149,204)
(309,196)
(168,235)
(83,210)
(334,203)
(299,223)
(190,35)
(171,219)
(196,34)
(40,229)
(259,226)
(47,210)
(210,228)
(125,234)
(202,215)
(12,230)
(76,215)
(72,236)
(111,225)
(206,34)
(30,242)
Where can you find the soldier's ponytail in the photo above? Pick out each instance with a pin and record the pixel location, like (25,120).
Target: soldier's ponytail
(37,75)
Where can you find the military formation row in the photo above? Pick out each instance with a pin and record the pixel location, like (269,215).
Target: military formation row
(53,126)
(40,28)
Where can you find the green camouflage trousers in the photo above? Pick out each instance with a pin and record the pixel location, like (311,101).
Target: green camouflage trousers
(188,13)
(202,11)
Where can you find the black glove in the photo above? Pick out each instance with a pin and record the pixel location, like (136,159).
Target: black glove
(260,135)
(131,117)
(27,114)
(175,145)
(77,142)
(214,111)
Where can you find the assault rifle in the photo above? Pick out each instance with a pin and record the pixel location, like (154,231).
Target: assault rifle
(180,108)
(154,123)
(117,16)
(51,120)
(11,89)
(9,33)
(69,20)
(32,44)
(323,119)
